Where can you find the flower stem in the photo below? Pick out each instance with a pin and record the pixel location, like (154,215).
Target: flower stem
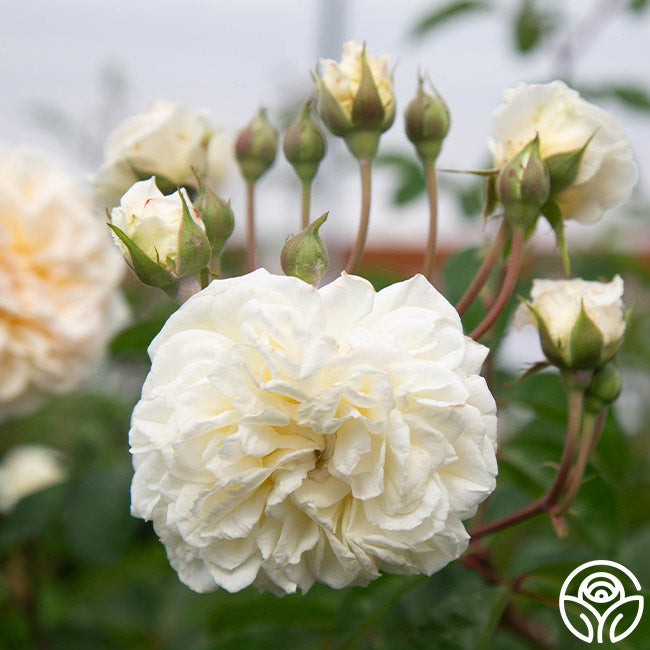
(355,258)
(306,201)
(251,257)
(432,193)
(514,265)
(485,269)
(591,428)
(547,502)
(186,288)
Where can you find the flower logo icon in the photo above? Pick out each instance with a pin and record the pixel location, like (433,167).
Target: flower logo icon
(593,600)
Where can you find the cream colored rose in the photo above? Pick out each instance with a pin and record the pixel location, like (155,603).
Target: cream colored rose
(26,469)
(168,140)
(59,277)
(564,121)
(153,220)
(558,304)
(343,79)
(288,435)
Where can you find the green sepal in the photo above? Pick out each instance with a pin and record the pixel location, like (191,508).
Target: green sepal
(305,255)
(194,250)
(330,110)
(367,110)
(553,215)
(553,350)
(563,167)
(163,183)
(585,343)
(490,199)
(147,270)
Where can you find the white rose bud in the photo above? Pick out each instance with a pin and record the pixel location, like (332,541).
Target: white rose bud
(581,324)
(589,157)
(355,97)
(168,141)
(162,237)
(26,469)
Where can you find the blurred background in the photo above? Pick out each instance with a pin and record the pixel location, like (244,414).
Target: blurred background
(77,571)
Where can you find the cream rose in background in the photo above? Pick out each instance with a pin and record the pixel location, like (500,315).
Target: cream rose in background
(564,122)
(558,304)
(288,435)
(167,140)
(59,279)
(25,469)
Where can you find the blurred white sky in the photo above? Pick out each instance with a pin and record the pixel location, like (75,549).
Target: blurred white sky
(232,57)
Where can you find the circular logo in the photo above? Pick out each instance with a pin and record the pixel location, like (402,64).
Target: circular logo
(599,600)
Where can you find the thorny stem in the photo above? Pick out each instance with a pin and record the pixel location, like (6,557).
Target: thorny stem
(514,265)
(432,193)
(251,257)
(306,201)
(485,269)
(591,428)
(548,502)
(355,258)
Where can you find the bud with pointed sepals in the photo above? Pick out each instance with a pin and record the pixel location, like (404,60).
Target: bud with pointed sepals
(604,388)
(355,98)
(581,324)
(304,255)
(427,123)
(162,237)
(217,216)
(256,146)
(304,144)
(523,186)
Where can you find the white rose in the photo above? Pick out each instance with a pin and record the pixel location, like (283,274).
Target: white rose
(288,435)
(343,79)
(564,122)
(26,469)
(168,140)
(153,220)
(558,304)
(59,278)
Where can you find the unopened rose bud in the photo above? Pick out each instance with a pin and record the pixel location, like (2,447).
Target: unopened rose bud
(605,387)
(304,144)
(216,215)
(523,186)
(355,98)
(256,147)
(162,237)
(581,324)
(305,255)
(427,123)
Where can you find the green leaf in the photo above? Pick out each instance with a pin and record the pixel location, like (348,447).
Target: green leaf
(410,183)
(490,199)
(629,94)
(501,596)
(531,24)
(143,266)
(444,13)
(98,526)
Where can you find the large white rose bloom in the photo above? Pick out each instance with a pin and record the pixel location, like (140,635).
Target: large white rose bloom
(167,140)
(25,469)
(59,277)
(564,122)
(288,435)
